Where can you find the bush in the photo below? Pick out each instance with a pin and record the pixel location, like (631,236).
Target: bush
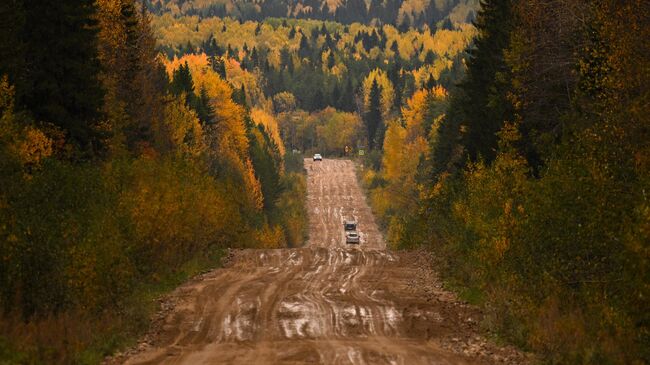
(292,210)
(80,240)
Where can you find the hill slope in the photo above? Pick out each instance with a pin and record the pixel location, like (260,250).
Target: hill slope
(403,13)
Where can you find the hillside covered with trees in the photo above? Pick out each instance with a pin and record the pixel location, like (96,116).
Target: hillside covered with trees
(529,180)
(119,177)
(139,140)
(405,14)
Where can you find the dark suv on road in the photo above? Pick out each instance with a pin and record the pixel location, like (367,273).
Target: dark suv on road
(350,225)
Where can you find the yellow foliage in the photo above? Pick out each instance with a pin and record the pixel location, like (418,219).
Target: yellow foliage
(387,90)
(401,157)
(336,130)
(270,237)
(226,137)
(184,129)
(28,144)
(270,125)
(416,110)
(33,146)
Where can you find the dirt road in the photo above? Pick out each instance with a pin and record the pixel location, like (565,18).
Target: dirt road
(326,303)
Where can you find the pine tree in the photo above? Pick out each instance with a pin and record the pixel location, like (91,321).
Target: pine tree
(182,81)
(346,101)
(203,108)
(375,10)
(447,24)
(52,57)
(429,58)
(12,47)
(373,118)
(394,75)
(431,83)
(405,25)
(485,86)
(357,11)
(331,62)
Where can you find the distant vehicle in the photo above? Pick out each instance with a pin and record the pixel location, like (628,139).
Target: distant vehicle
(350,225)
(318,157)
(352,237)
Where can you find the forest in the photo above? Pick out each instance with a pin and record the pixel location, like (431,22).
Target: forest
(141,139)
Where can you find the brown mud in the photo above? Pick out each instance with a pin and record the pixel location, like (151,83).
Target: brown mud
(326,303)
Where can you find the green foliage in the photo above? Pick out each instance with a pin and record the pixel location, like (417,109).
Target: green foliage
(267,163)
(291,209)
(540,215)
(185,176)
(294,162)
(373,118)
(487,81)
(337,59)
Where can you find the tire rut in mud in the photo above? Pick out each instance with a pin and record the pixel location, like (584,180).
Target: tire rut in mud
(326,303)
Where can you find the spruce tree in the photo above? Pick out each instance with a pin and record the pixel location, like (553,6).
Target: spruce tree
(51,56)
(486,85)
(203,108)
(331,62)
(373,114)
(12,47)
(182,81)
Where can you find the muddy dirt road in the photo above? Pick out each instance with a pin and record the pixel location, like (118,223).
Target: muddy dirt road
(326,303)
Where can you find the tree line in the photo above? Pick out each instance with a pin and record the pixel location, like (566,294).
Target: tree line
(403,14)
(120,173)
(529,179)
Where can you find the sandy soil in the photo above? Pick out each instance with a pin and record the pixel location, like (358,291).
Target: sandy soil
(326,303)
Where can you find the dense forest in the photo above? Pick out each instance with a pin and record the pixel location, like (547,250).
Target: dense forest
(401,13)
(138,140)
(530,179)
(119,177)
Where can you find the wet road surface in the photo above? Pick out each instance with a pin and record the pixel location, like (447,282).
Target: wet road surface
(325,303)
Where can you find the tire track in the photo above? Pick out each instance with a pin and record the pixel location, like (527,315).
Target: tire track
(325,303)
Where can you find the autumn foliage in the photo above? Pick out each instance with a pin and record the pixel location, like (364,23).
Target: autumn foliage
(173,169)
(530,182)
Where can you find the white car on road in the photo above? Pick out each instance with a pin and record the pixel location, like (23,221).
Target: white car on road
(352,237)
(318,157)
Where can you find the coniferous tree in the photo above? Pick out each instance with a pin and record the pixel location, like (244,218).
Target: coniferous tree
(203,108)
(373,118)
(375,10)
(405,24)
(304,49)
(356,11)
(330,60)
(394,75)
(429,58)
(51,55)
(447,24)
(12,46)
(346,101)
(485,85)
(182,81)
